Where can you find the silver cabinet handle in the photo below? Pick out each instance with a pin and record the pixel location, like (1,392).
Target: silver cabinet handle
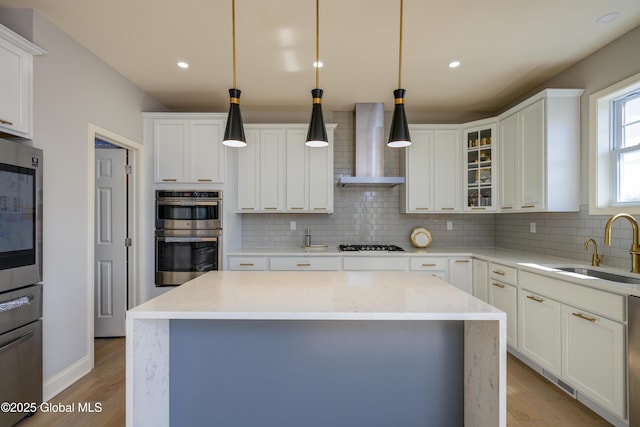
(536,299)
(582,316)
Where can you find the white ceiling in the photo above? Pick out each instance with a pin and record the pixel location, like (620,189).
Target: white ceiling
(506,47)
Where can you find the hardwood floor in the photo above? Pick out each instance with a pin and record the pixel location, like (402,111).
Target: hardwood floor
(531,400)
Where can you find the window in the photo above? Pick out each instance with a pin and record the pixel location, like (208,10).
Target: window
(614,152)
(625,150)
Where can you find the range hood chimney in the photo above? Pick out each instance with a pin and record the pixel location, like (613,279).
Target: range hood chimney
(369,154)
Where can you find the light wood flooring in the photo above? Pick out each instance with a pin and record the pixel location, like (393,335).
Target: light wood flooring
(531,400)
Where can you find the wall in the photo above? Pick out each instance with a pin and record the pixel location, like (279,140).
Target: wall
(565,234)
(368,214)
(72,88)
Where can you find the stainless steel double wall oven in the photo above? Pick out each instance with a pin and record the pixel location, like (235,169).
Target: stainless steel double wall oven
(188,234)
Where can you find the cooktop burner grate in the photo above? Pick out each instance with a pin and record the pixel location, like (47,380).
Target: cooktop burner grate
(370,248)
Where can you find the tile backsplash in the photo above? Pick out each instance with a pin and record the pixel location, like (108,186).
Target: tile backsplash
(371,214)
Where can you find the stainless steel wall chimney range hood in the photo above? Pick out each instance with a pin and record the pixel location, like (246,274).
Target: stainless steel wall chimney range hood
(369,154)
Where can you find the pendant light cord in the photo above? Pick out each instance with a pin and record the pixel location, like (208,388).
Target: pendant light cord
(317,44)
(233,38)
(400,48)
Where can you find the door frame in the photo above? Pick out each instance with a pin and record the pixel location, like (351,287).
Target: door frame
(135,154)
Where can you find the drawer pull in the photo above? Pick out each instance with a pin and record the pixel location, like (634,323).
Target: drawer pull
(500,285)
(169,179)
(319,209)
(6,122)
(246,264)
(477,209)
(248,209)
(507,207)
(422,209)
(294,208)
(582,316)
(528,206)
(463,260)
(447,209)
(429,265)
(306,264)
(204,180)
(536,299)
(271,208)
(498,272)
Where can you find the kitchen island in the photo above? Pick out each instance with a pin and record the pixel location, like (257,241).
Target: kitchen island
(316,348)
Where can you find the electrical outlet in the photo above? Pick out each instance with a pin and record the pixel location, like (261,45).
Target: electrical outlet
(449,225)
(532,227)
(292,226)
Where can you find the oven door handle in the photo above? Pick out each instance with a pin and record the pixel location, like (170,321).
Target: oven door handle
(187,239)
(188,203)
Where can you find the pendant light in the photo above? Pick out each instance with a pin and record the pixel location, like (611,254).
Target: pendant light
(317,134)
(399,134)
(234,132)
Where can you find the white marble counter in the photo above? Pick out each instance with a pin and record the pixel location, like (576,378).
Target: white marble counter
(265,295)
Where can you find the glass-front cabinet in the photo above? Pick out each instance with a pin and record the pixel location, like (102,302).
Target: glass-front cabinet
(480,164)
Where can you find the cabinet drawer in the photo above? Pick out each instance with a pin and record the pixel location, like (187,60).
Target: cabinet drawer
(594,300)
(304,263)
(248,263)
(503,273)
(371,263)
(429,263)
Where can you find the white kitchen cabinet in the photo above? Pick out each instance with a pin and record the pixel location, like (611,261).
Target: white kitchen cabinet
(188,150)
(309,174)
(540,330)
(461,274)
(436,266)
(16,83)
(277,172)
(304,263)
(593,358)
(431,166)
(539,143)
(480,165)
(576,333)
(248,263)
(481,279)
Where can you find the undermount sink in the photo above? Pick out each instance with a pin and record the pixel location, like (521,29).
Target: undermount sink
(620,278)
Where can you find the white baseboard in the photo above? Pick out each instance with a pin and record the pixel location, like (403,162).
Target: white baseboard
(64,379)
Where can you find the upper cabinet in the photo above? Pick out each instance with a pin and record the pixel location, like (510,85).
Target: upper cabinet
(431,166)
(480,163)
(189,150)
(16,83)
(277,172)
(540,153)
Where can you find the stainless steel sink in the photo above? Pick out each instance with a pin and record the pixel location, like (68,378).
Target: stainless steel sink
(620,278)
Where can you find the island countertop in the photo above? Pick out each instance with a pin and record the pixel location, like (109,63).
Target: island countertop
(316,295)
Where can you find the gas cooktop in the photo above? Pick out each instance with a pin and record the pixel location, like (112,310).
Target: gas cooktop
(370,248)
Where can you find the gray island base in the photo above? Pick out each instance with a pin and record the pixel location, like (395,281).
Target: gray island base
(316,349)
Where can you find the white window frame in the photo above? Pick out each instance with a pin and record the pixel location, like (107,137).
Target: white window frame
(601,188)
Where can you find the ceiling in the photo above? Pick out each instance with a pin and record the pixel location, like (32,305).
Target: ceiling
(506,48)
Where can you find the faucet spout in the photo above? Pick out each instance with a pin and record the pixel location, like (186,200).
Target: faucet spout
(595,258)
(635,248)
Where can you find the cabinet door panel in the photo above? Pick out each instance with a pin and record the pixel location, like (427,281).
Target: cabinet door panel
(248,173)
(170,150)
(480,279)
(461,274)
(509,162)
(532,155)
(505,297)
(272,169)
(207,151)
(15,87)
(593,357)
(419,172)
(446,170)
(297,165)
(540,330)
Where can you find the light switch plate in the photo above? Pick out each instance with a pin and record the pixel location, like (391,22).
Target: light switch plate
(292,226)
(449,225)
(532,227)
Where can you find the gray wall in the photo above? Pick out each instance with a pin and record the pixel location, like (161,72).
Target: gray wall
(72,88)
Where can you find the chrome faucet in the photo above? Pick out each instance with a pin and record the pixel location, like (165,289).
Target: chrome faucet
(635,248)
(595,258)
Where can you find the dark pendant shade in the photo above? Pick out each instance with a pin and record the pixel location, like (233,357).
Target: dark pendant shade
(399,135)
(317,134)
(234,132)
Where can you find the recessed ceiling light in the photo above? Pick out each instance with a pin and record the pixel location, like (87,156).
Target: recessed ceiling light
(604,19)
(318,64)
(454,64)
(183,64)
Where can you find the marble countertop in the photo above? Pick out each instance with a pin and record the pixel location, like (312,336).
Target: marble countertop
(336,295)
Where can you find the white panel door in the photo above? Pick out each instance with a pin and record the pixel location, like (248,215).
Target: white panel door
(297,171)
(171,150)
(446,170)
(207,163)
(110,274)
(419,171)
(509,162)
(532,156)
(272,170)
